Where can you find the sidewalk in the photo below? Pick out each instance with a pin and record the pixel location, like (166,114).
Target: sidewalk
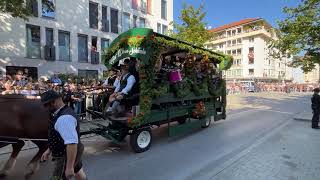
(290,153)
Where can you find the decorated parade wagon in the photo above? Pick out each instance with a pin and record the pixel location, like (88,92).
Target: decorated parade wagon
(178,84)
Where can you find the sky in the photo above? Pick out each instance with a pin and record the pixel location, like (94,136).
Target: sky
(221,12)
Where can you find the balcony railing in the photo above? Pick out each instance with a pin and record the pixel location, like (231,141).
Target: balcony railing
(95,57)
(49,52)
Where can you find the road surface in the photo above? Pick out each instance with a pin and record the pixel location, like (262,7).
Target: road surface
(198,155)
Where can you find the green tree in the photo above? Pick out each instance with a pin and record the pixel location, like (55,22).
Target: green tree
(300,33)
(16,8)
(193,28)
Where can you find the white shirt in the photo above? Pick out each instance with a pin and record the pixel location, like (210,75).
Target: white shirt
(66,126)
(130,82)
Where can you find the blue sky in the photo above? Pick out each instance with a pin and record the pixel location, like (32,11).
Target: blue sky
(220,12)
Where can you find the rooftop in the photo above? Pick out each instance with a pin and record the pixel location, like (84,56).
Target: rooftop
(234,24)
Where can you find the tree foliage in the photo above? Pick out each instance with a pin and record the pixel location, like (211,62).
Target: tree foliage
(192,28)
(22,8)
(300,33)
(16,8)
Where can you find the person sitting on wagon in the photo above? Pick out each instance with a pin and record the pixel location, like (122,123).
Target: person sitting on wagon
(123,88)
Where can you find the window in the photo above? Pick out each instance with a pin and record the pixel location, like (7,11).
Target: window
(234,32)
(32,6)
(143,6)
(104,20)
(228,43)
(238,61)
(94,50)
(164,29)
(251,72)
(234,42)
(33,41)
(238,51)
(135,4)
(126,22)
(82,48)
(239,41)
(48,8)
(49,37)
(239,30)
(220,46)
(251,39)
(164,9)
(104,44)
(94,43)
(142,22)
(93,15)
(234,52)
(64,46)
(229,52)
(88,74)
(135,19)
(251,55)
(49,49)
(158,28)
(228,33)
(114,21)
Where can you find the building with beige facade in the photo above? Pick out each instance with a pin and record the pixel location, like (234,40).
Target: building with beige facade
(69,36)
(313,76)
(248,42)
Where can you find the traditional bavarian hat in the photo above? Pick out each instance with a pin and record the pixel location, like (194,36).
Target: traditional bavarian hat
(49,96)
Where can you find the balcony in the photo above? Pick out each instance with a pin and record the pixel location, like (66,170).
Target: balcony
(95,57)
(49,53)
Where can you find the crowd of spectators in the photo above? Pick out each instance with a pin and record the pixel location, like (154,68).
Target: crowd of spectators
(236,88)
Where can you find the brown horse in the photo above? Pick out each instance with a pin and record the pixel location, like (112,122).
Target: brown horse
(22,118)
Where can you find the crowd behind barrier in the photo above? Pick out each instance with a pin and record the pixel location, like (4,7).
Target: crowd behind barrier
(78,95)
(83,94)
(238,88)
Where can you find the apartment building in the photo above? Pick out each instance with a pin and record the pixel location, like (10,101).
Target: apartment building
(248,42)
(313,76)
(70,36)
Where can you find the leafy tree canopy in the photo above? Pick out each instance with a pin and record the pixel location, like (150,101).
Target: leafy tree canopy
(300,33)
(192,28)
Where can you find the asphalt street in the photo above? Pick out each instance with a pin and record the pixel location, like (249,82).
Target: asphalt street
(198,155)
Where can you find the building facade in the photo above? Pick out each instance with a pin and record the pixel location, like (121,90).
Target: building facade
(248,42)
(313,76)
(70,36)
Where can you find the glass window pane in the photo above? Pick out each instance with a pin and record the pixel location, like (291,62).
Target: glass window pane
(164,29)
(33,41)
(135,19)
(114,21)
(104,20)
(126,22)
(93,15)
(142,22)
(82,48)
(48,8)
(64,46)
(49,37)
(164,9)
(158,27)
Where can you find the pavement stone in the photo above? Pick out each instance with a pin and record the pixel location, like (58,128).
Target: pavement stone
(290,154)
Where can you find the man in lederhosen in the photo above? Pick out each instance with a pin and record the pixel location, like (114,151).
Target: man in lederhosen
(63,139)
(123,88)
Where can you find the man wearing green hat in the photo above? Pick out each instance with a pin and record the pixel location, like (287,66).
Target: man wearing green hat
(63,139)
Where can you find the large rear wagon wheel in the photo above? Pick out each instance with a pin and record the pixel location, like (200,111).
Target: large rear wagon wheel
(140,140)
(207,122)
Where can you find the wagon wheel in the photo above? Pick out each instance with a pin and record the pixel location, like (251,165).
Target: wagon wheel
(207,122)
(140,140)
